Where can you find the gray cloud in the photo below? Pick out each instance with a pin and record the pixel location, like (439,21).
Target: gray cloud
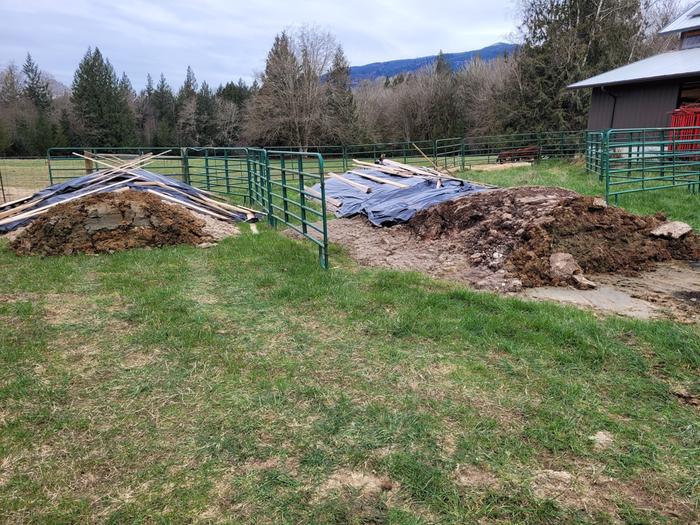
(226,40)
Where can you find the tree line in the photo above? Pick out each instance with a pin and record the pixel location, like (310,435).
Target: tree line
(305,97)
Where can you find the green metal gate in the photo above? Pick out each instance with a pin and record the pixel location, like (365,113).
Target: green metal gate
(281,182)
(645,159)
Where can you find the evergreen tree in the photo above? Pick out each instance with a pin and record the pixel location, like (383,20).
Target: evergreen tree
(124,111)
(186,110)
(189,86)
(442,66)
(145,115)
(238,93)
(41,135)
(442,112)
(67,130)
(164,109)
(36,88)
(205,116)
(100,105)
(5,139)
(564,42)
(341,112)
(271,112)
(11,86)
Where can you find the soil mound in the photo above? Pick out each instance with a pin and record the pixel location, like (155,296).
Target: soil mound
(519,229)
(109,222)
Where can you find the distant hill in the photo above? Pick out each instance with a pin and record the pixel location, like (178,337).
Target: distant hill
(407,65)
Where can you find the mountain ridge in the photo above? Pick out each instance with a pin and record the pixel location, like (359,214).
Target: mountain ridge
(391,68)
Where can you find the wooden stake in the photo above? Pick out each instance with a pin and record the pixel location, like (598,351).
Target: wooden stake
(426,157)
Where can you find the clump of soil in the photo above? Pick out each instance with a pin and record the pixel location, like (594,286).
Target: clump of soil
(109,222)
(518,230)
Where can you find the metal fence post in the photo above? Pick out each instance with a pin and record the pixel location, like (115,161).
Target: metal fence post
(206,168)
(302,195)
(285,200)
(268,184)
(323,248)
(605,163)
(228,180)
(185,163)
(48,162)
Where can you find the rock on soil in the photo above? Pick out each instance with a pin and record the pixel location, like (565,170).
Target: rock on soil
(519,229)
(109,222)
(671,230)
(564,269)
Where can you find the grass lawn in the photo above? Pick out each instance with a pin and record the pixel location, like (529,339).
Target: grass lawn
(242,384)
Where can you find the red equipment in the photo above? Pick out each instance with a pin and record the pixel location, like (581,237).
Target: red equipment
(683,117)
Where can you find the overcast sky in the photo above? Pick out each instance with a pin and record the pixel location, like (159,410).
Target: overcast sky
(224,40)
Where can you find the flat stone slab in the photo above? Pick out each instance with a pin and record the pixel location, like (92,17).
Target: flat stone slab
(603,298)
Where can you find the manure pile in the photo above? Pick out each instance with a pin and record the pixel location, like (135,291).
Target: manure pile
(109,222)
(546,236)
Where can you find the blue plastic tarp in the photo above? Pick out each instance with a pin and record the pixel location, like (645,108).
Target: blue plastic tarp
(79,186)
(386,204)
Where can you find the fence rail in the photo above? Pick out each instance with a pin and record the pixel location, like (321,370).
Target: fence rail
(462,152)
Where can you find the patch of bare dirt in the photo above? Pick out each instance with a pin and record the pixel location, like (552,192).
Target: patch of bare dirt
(475,477)
(592,491)
(602,440)
(686,397)
(109,222)
(398,248)
(364,483)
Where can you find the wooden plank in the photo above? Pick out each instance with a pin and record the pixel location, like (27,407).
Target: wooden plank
(17,209)
(379,179)
(426,157)
(220,206)
(421,172)
(189,205)
(356,185)
(16,201)
(335,202)
(384,169)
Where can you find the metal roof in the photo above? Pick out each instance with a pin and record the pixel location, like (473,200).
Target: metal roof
(687,21)
(681,63)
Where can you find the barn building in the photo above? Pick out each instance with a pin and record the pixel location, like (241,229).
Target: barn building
(646,93)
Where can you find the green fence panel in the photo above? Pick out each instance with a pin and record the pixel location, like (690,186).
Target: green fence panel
(68,163)
(219,170)
(281,184)
(648,159)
